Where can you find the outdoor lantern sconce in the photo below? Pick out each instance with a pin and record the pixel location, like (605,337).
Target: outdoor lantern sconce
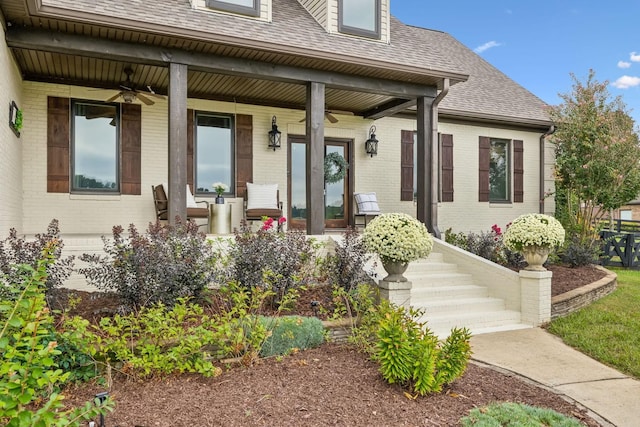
(274,135)
(371,144)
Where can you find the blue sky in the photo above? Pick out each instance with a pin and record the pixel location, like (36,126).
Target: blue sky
(539,43)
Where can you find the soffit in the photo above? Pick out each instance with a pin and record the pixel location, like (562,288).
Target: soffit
(106,74)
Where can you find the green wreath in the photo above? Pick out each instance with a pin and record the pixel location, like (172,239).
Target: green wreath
(334,161)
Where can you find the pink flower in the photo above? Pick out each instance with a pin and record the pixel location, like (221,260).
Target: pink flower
(267,224)
(282,220)
(496,229)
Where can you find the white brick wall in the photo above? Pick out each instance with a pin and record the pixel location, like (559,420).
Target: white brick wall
(10,144)
(97,214)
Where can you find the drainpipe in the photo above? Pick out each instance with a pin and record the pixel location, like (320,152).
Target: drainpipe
(435,190)
(551,130)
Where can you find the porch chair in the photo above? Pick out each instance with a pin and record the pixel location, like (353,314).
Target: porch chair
(367,204)
(193,210)
(262,200)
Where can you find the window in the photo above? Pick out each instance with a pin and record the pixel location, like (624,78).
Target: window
(359,17)
(499,183)
(214,152)
(499,171)
(244,7)
(95,147)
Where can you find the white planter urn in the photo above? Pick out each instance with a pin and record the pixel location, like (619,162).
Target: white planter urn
(535,257)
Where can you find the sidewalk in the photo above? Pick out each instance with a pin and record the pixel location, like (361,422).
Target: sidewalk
(545,359)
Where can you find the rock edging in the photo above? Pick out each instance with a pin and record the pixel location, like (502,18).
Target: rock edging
(568,302)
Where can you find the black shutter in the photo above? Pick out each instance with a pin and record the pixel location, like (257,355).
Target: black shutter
(518,171)
(483,169)
(446,156)
(406,165)
(58,125)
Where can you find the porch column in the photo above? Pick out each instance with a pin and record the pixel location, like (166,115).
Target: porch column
(427,201)
(315,158)
(177,142)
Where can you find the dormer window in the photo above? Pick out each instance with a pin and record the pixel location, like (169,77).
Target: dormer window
(244,7)
(359,17)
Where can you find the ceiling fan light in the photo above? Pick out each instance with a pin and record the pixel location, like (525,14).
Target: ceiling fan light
(128,97)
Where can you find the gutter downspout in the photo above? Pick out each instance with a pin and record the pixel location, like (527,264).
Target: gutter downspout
(551,130)
(435,154)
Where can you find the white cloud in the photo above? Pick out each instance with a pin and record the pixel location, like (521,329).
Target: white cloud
(624,64)
(488,45)
(634,57)
(625,82)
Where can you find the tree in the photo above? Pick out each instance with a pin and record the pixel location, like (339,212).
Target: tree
(597,155)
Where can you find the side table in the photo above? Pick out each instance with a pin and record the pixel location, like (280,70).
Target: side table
(220,218)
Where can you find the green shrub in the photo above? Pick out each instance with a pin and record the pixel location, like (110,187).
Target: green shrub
(28,372)
(277,260)
(15,251)
(154,341)
(161,266)
(287,333)
(411,355)
(516,415)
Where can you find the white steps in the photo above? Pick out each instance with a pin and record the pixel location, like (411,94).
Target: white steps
(453,299)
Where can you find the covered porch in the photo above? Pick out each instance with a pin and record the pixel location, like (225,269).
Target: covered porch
(281,83)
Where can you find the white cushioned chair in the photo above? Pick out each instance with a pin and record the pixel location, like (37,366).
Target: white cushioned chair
(262,200)
(367,206)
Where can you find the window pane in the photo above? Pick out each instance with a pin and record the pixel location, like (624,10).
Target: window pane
(298,181)
(214,153)
(499,171)
(246,3)
(95,147)
(360,14)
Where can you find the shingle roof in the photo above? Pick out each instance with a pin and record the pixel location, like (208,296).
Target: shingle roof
(293,30)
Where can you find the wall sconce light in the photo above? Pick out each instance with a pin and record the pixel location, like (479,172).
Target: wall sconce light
(371,144)
(274,135)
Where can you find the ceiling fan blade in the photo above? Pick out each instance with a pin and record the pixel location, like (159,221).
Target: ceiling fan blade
(114,97)
(144,99)
(330,117)
(150,91)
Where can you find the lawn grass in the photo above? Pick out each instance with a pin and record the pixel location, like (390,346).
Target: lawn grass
(609,329)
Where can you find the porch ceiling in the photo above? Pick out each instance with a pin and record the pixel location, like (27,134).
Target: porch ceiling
(109,74)
(43,64)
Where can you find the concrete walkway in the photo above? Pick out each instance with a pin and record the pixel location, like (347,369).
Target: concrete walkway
(545,359)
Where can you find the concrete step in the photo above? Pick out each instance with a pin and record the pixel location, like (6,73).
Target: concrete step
(459,305)
(441,324)
(431,293)
(437,279)
(427,267)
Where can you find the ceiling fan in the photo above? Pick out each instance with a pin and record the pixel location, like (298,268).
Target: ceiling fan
(129,93)
(327,115)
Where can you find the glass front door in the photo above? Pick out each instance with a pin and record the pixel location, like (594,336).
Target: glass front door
(336,194)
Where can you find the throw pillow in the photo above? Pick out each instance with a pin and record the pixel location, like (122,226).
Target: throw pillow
(191,201)
(262,196)
(367,203)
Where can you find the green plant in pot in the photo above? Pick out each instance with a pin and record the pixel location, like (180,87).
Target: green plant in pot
(398,239)
(534,235)
(220,188)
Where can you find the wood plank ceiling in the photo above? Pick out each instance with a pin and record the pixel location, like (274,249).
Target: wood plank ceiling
(39,65)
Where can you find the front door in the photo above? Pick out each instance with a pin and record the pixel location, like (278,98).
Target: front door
(336,192)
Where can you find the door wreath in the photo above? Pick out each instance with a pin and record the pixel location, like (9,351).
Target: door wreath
(335,167)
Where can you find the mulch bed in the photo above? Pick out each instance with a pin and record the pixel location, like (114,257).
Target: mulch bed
(326,386)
